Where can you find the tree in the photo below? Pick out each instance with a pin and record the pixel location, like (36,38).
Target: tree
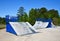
(42,12)
(20,13)
(31,16)
(2,20)
(26,17)
(22,16)
(56,21)
(51,14)
(38,13)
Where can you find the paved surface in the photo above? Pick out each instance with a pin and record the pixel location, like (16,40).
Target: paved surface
(49,34)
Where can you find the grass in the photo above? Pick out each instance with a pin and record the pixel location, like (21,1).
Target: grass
(2,26)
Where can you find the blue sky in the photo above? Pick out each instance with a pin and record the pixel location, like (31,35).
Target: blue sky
(10,7)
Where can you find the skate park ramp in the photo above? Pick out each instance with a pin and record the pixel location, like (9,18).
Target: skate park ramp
(40,24)
(31,27)
(22,28)
(53,26)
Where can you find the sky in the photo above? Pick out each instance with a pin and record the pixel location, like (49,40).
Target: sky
(10,7)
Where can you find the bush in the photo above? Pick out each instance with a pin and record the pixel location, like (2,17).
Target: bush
(56,21)
(2,26)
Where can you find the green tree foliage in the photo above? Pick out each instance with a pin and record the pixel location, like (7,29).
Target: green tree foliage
(52,13)
(23,17)
(38,13)
(55,21)
(20,13)
(32,16)
(2,20)
(42,12)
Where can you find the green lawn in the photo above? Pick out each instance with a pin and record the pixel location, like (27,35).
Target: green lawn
(2,26)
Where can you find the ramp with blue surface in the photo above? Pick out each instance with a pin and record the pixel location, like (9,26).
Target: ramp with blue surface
(18,28)
(45,20)
(21,28)
(40,24)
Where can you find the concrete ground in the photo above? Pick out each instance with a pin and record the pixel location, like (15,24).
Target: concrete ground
(49,34)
